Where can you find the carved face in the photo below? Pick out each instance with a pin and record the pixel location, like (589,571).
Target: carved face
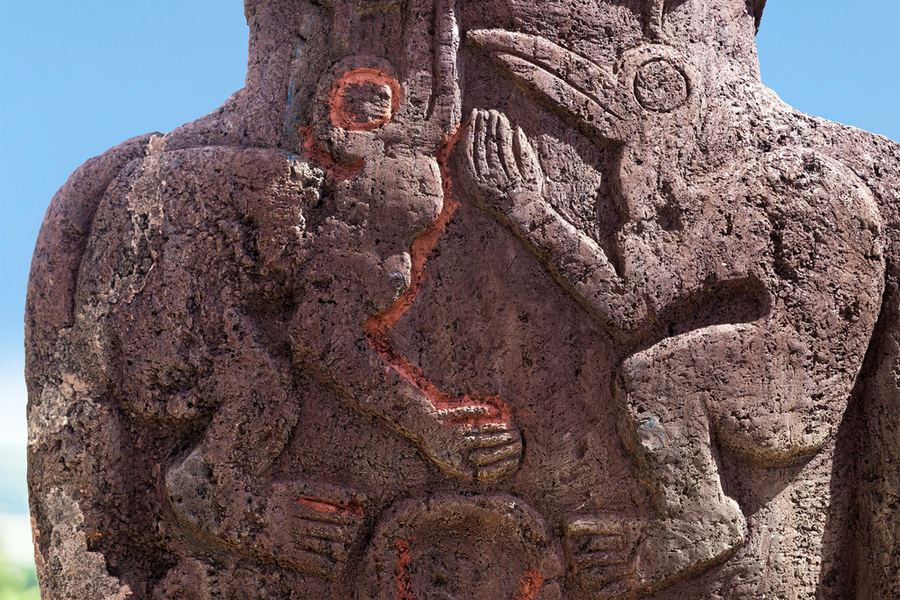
(364,99)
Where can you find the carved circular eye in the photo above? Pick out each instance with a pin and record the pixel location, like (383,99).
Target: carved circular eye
(364,99)
(660,86)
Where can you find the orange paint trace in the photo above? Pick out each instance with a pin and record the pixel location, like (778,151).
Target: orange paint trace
(404,580)
(322,159)
(377,326)
(341,115)
(529,585)
(350,509)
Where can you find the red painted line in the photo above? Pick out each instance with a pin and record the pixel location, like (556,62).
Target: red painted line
(529,585)
(340,115)
(377,326)
(322,159)
(350,509)
(404,580)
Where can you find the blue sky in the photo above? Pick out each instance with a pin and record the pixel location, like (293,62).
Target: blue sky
(79,76)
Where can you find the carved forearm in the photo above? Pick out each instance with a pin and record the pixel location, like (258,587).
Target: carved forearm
(580,265)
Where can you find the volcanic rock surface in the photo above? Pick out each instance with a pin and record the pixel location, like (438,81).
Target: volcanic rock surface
(469,300)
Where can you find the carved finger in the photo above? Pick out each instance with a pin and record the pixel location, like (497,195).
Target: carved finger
(465,163)
(581,562)
(497,470)
(587,544)
(608,527)
(505,143)
(339,552)
(334,551)
(344,510)
(479,143)
(527,160)
(486,456)
(491,427)
(492,440)
(601,543)
(329,532)
(599,577)
(493,151)
(469,410)
(468,148)
(463,414)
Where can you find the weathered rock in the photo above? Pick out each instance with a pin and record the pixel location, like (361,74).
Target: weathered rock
(493,299)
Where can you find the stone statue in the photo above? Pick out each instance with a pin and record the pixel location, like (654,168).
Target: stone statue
(474,299)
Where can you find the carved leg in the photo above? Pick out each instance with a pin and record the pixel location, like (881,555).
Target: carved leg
(665,427)
(224,492)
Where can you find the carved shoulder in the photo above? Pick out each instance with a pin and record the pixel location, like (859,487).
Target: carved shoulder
(190,250)
(49,305)
(824,220)
(826,249)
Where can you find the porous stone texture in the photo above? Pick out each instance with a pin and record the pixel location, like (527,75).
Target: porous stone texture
(470,299)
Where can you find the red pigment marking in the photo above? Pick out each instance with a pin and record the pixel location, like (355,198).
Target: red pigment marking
(318,156)
(350,509)
(529,585)
(340,115)
(404,580)
(377,326)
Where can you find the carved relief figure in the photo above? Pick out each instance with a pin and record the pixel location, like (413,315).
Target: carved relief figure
(769,388)
(380,154)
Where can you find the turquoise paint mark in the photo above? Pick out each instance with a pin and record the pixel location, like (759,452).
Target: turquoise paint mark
(290,136)
(651,434)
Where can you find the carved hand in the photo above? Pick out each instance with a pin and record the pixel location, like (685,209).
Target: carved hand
(308,527)
(601,554)
(474,441)
(317,526)
(500,171)
(497,166)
